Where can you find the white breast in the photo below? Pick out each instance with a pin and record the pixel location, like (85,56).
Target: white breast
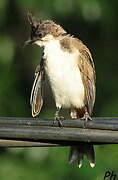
(64,76)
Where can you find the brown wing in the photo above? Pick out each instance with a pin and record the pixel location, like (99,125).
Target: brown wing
(86,66)
(36,99)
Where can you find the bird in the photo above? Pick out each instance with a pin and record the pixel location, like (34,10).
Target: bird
(69,66)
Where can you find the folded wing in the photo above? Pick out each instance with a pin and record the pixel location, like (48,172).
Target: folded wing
(36,99)
(87,70)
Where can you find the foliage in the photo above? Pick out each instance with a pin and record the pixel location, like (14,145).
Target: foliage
(95,23)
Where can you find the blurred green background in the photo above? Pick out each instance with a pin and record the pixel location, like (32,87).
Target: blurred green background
(95,22)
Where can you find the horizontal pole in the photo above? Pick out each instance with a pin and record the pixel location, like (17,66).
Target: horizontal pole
(59,134)
(105,123)
(33,132)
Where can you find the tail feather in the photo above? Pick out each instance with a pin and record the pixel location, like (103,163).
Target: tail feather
(77,154)
(73,155)
(90,155)
(80,159)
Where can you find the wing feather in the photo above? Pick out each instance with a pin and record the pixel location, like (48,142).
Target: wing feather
(86,66)
(36,99)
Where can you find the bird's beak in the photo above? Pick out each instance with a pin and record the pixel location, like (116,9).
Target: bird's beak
(30,41)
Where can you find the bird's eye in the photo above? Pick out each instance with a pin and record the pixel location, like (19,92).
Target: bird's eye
(40,35)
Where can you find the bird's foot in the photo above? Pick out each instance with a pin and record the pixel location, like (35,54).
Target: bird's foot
(59,120)
(86,117)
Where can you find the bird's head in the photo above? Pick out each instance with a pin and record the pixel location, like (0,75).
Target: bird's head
(43,31)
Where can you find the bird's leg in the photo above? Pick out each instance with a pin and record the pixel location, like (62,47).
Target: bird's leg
(58,118)
(86,116)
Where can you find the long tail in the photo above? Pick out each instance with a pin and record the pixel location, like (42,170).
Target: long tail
(77,154)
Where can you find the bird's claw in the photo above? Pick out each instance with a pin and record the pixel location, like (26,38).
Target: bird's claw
(86,117)
(58,119)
